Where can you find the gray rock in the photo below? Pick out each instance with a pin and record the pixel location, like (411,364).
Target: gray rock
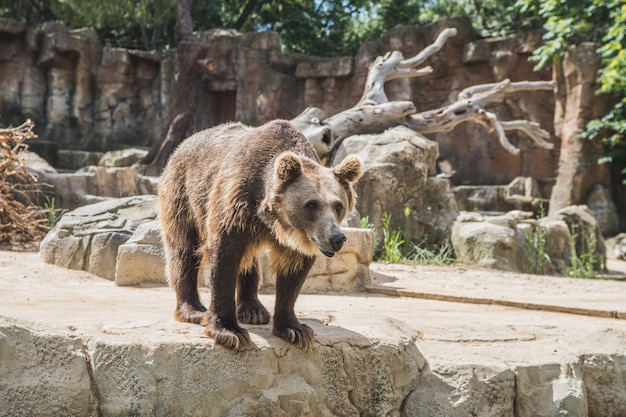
(523,193)
(118,373)
(558,245)
(550,391)
(510,242)
(122,158)
(89,237)
(604,377)
(603,209)
(37,164)
(616,247)
(91,183)
(458,391)
(74,160)
(487,244)
(44,373)
(586,231)
(141,259)
(398,173)
(119,239)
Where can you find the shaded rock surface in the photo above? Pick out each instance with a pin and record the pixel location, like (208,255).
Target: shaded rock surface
(89,237)
(523,193)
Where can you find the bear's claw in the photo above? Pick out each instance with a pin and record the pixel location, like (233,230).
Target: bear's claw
(252,313)
(235,339)
(299,334)
(188,313)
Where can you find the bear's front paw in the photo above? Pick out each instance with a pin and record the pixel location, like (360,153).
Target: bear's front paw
(252,312)
(235,338)
(299,334)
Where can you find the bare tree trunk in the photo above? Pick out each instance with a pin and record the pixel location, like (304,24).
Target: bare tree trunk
(180,119)
(247,10)
(577,104)
(185,21)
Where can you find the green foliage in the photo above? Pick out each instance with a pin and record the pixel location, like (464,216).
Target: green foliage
(315,27)
(424,254)
(536,255)
(392,242)
(53,215)
(583,264)
(396,249)
(567,22)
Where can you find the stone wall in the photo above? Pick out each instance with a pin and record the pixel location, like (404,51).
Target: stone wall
(80,94)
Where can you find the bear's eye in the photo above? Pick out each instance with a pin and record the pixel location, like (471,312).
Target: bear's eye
(339,209)
(311,205)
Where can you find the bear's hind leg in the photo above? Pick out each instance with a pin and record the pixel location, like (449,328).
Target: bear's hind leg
(288,286)
(249,308)
(182,267)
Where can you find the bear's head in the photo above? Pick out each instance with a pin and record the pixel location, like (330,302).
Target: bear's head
(309,201)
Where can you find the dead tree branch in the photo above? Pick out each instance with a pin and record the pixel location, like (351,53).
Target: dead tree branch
(374,112)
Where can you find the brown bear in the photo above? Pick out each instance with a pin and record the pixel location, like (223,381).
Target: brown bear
(228,193)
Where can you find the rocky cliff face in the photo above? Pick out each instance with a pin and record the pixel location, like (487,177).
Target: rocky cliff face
(83,95)
(80,94)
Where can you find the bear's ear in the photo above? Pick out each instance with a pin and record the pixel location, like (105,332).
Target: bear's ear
(287,167)
(350,169)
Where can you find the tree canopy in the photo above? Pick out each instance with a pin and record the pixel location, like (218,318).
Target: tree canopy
(317,27)
(567,22)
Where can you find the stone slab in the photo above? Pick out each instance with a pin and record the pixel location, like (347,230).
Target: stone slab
(374,355)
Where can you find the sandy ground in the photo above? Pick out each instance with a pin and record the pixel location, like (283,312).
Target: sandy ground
(494,318)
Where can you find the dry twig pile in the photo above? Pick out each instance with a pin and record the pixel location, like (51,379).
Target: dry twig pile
(22,225)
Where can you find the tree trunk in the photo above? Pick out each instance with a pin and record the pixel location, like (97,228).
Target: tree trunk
(185,21)
(180,119)
(576,105)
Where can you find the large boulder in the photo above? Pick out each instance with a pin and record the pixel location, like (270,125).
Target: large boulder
(141,260)
(460,391)
(120,239)
(492,242)
(89,237)
(586,232)
(122,158)
(515,242)
(399,173)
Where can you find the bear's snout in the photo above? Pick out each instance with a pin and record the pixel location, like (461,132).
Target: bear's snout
(337,240)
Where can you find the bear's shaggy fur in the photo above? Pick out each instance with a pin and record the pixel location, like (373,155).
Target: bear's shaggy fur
(228,193)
